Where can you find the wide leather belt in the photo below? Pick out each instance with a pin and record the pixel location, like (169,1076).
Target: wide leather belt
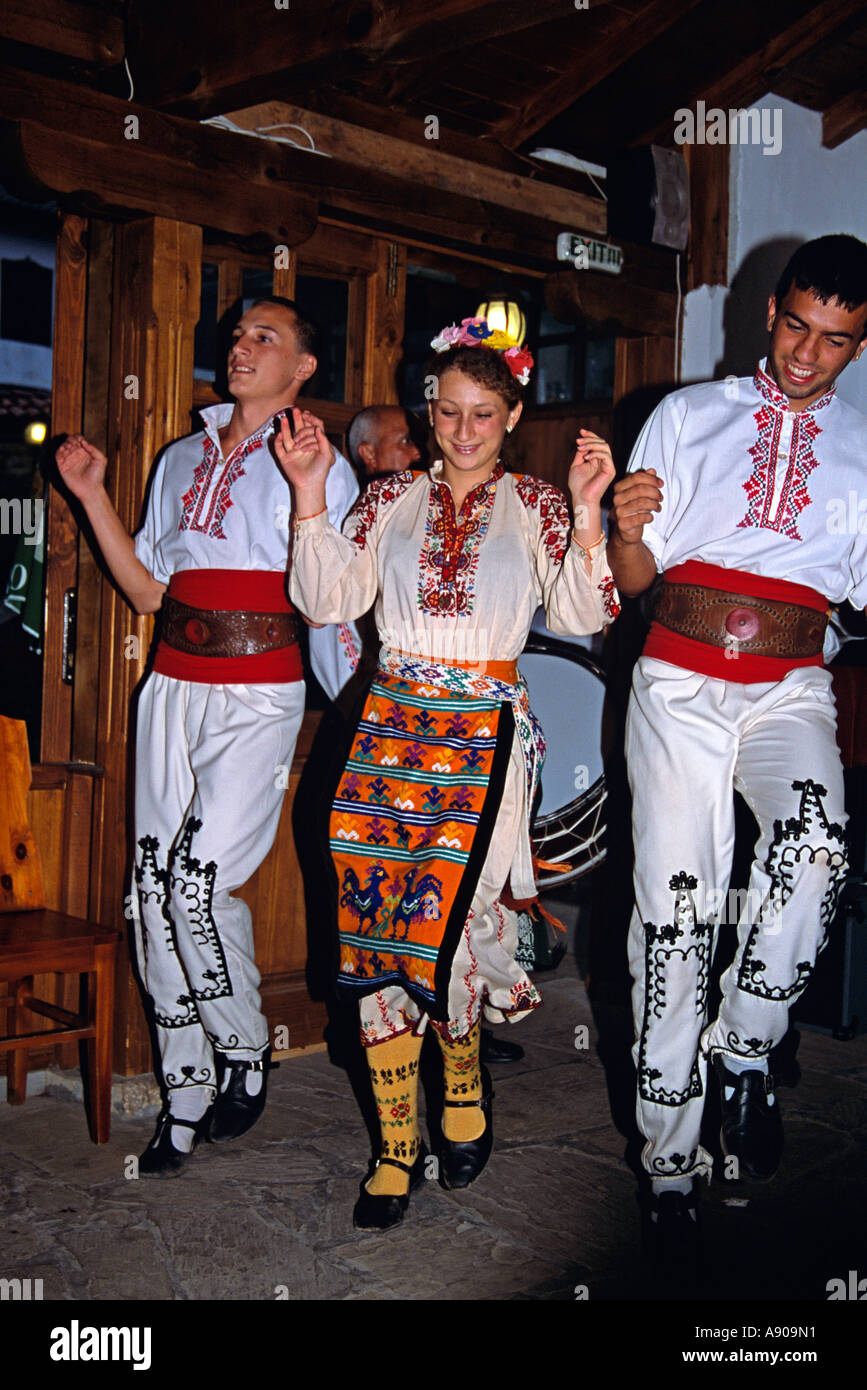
(219,632)
(761,626)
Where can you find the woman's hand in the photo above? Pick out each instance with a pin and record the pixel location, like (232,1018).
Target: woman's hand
(591,472)
(81,466)
(306,459)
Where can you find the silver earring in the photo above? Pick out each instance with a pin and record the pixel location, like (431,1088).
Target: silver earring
(509,429)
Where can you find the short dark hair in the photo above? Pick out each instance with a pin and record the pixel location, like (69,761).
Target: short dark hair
(831,267)
(306,330)
(485,366)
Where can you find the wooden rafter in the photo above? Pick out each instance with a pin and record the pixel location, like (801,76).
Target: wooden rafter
(256,48)
(421,161)
(624,35)
(844,119)
(82,32)
(751,79)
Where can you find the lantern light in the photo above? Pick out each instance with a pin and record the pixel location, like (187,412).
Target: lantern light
(505,315)
(35,432)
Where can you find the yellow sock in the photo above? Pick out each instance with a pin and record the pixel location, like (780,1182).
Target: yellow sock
(463,1081)
(394,1077)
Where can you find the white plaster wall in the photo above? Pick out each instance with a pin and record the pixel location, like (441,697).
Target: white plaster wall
(777,201)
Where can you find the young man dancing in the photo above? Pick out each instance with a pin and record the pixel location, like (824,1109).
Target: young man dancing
(217,719)
(729,494)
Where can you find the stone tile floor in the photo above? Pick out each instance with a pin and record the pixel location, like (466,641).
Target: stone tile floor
(555,1210)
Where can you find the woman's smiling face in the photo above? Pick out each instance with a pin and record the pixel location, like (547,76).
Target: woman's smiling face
(469,423)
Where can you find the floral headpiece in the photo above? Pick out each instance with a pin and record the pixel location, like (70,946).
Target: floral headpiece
(476,333)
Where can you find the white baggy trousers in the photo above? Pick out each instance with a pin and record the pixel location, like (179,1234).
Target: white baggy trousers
(212,765)
(691,739)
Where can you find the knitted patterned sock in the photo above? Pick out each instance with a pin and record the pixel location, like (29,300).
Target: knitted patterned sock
(463,1081)
(394,1077)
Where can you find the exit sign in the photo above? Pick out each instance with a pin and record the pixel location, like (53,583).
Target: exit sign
(587,254)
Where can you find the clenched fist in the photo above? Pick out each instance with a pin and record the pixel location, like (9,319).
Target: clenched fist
(637,497)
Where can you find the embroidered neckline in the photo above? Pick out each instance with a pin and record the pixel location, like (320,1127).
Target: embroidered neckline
(445,491)
(770,391)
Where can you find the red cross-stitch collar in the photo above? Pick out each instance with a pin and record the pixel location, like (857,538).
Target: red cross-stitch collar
(770,391)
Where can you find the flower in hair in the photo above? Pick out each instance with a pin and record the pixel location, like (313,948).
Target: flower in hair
(520,363)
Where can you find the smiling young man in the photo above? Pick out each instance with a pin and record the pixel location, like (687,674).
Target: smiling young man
(729,493)
(217,719)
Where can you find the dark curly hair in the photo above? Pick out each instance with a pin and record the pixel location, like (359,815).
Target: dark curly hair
(482,365)
(831,267)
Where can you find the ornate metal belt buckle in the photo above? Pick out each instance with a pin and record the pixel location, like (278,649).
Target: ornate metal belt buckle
(742,623)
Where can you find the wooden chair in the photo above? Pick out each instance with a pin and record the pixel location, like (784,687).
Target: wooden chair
(35,940)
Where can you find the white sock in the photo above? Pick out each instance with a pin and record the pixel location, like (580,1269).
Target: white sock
(252,1081)
(738,1065)
(187,1103)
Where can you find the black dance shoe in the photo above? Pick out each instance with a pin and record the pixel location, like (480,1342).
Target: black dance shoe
(493,1049)
(461,1162)
(752,1131)
(378,1213)
(235,1110)
(672,1238)
(161,1159)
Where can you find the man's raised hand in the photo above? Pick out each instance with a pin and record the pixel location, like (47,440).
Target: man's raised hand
(81,466)
(637,497)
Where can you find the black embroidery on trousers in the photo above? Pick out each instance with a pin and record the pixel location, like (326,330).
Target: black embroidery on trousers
(152,883)
(675,1165)
(748,1047)
(193,885)
(205,1076)
(690,940)
(798,839)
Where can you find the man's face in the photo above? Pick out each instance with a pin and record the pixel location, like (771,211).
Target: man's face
(265,363)
(811,343)
(391,449)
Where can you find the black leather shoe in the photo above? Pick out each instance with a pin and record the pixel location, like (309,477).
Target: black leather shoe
(671,1237)
(235,1111)
(161,1159)
(378,1213)
(461,1162)
(494,1049)
(752,1131)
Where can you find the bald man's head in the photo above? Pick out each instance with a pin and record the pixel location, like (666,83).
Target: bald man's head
(380,442)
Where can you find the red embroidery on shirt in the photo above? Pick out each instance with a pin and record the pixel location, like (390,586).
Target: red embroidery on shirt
(609,598)
(193,500)
(553,511)
(759,487)
(450,551)
(380,492)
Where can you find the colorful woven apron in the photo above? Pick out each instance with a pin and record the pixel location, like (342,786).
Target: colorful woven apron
(413,816)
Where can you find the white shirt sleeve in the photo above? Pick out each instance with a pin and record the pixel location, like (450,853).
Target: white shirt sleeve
(147,539)
(655,448)
(334,649)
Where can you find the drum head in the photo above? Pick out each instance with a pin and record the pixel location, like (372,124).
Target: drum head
(567,695)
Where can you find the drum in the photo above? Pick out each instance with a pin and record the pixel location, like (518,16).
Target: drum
(567,694)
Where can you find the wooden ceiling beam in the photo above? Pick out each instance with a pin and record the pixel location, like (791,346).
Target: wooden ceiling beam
(844,119)
(83,32)
(622,37)
(256,48)
(422,161)
(71,141)
(755,76)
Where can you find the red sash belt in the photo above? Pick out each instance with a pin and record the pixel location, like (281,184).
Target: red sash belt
(707,660)
(252,591)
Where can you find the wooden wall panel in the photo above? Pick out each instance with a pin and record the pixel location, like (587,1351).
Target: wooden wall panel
(386,303)
(155,308)
(61,537)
